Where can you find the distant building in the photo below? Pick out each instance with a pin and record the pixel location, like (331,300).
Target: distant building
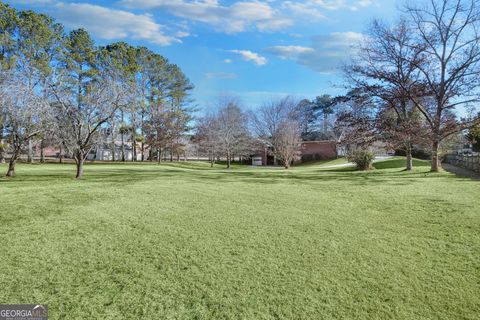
(318,150)
(464,148)
(105,152)
(309,151)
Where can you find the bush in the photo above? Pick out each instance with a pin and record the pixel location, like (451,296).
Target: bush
(363,159)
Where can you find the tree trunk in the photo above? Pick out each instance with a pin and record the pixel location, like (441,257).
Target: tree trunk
(79,161)
(30,151)
(228,160)
(122,134)
(409,160)
(435,159)
(13,160)
(112,146)
(11,167)
(42,151)
(113,150)
(134,151)
(2,150)
(123,150)
(142,143)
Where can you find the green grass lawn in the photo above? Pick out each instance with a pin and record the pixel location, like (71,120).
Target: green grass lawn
(183,241)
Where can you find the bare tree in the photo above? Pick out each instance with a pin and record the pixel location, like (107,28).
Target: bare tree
(206,137)
(448,34)
(288,142)
(357,122)
(158,130)
(231,130)
(386,68)
(25,114)
(268,118)
(78,126)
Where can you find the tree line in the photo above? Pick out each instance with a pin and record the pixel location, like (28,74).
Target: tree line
(412,83)
(276,128)
(61,89)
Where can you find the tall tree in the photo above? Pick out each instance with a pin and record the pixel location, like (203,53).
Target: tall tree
(84,101)
(324,105)
(448,34)
(143,85)
(305,115)
(206,137)
(8,23)
(38,42)
(29,44)
(25,115)
(387,69)
(118,62)
(357,122)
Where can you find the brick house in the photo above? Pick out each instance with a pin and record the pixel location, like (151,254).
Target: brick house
(318,150)
(309,151)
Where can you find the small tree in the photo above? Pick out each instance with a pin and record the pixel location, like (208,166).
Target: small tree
(362,158)
(268,118)
(288,142)
(358,124)
(231,130)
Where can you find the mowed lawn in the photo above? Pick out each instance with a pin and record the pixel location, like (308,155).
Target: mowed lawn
(183,241)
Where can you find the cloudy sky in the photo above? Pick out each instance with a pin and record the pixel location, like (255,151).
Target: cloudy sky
(251,49)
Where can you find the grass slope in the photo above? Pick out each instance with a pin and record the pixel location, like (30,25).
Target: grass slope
(183,241)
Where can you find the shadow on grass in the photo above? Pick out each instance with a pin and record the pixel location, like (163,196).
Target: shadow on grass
(399,163)
(386,172)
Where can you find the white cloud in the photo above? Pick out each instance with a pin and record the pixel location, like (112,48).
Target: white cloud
(221,75)
(251,56)
(32,2)
(341,4)
(237,17)
(303,9)
(325,54)
(289,52)
(109,23)
(227,60)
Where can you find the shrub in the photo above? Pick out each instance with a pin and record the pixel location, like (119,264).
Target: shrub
(363,159)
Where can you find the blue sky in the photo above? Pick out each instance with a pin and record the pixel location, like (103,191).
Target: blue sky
(251,49)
